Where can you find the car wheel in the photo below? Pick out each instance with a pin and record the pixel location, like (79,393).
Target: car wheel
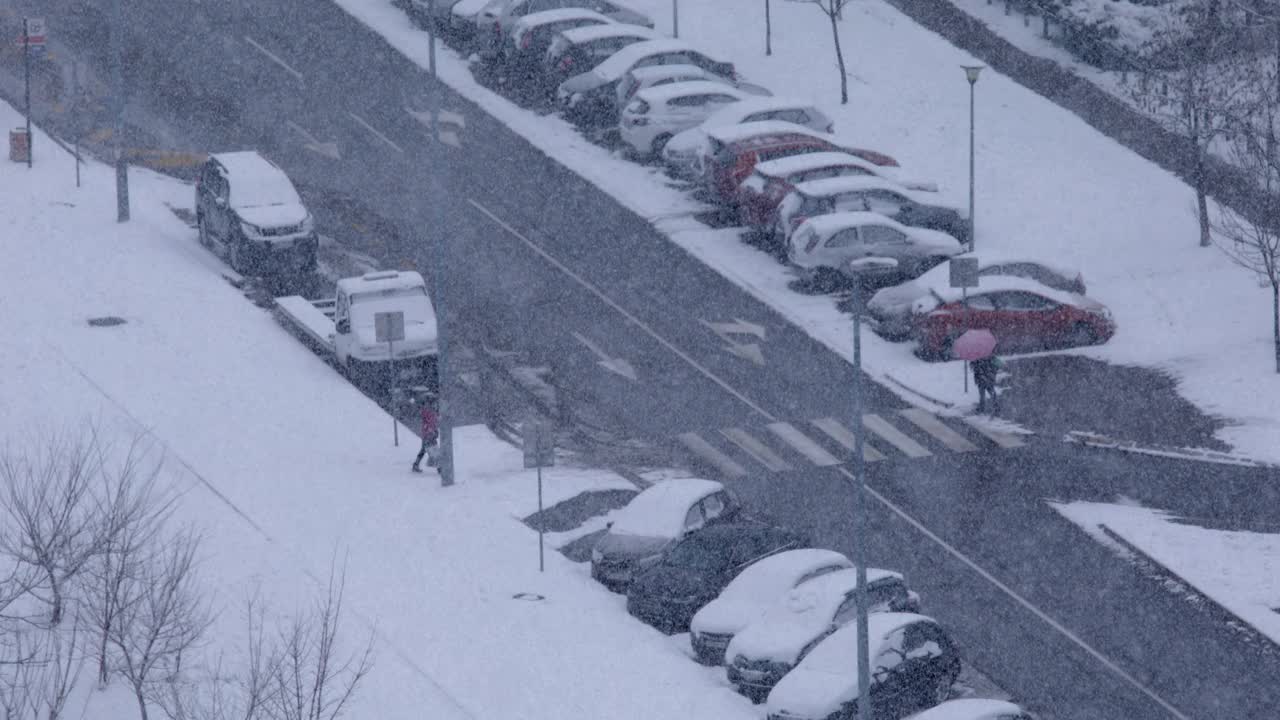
(1081,335)
(659,143)
(203,232)
(827,279)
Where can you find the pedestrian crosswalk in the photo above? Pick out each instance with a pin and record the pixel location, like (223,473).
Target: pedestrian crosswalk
(910,433)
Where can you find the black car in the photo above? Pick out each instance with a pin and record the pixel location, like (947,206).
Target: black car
(529,40)
(692,572)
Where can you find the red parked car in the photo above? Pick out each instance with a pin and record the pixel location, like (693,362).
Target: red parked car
(732,152)
(1021,313)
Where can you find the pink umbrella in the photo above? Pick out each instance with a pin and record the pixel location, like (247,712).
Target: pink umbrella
(973,345)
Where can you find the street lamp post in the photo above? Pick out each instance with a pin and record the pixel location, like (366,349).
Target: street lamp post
(439,273)
(971,72)
(856,268)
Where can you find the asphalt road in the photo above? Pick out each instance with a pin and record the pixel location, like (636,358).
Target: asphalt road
(542,264)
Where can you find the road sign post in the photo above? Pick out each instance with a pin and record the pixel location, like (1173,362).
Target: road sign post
(539,446)
(964,275)
(388,327)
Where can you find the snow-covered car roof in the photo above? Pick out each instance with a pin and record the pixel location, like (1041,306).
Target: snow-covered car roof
(375,282)
(863,183)
(792,164)
(828,676)
(256,181)
(1006,283)
(626,58)
(657,72)
(733,115)
(755,589)
(662,94)
(659,510)
(970,709)
(824,225)
(745,131)
(545,17)
(791,621)
(586,34)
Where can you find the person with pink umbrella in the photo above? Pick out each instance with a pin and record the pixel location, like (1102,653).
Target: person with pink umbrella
(978,347)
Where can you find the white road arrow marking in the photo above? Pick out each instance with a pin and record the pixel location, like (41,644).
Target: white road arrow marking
(746,351)
(329,149)
(612,364)
(450,124)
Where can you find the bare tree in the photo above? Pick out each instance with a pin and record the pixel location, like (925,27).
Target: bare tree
(834,10)
(132,512)
(313,680)
(23,648)
(1253,242)
(162,616)
(47,513)
(56,673)
(231,695)
(1190,81)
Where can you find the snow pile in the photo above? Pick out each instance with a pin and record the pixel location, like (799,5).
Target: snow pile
(1238,570)
(285,468)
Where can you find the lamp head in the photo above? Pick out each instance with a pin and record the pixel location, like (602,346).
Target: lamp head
(971,72)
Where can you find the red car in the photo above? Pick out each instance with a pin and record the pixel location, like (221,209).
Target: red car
(733,151)
(758,196)
(1022,314)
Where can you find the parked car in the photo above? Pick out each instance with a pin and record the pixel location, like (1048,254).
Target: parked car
(463,14)
(1022,314)
(974,709)
(532,35)
(730,153)
(655,114)
(823,246)
(654,519)
(247,208)
(766,649)
(643,78)
(497,21)
(769,182)
(914,663)
(435,12)
(751,594)
(588,98)
(871,194)
(581,49)
(686,146)
(889,310)
(692,572)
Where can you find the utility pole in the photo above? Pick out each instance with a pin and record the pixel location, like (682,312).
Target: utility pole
(971,72)
(26,71)
(439,274)
(117,83)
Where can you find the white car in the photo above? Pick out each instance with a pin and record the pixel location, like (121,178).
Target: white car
(974,709)
(823,246)
(654,519)
(914,664)
(872,194)
(762,652)
(889,311)
(496,21)
(680,152)
(750,594)
(655,114)
(643,78)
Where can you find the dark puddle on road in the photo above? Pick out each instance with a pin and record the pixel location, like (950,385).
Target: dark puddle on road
(573,513)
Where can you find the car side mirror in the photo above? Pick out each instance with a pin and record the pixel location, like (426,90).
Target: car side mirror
(343,327)
(608,525)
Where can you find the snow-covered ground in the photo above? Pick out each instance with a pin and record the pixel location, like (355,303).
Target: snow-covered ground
(283,467)
(1048,185)
(1239,570)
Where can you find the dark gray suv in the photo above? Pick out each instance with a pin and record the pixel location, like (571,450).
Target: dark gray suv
(247,209)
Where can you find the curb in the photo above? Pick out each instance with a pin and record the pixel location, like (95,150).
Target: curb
(1156,570)
(1102,442)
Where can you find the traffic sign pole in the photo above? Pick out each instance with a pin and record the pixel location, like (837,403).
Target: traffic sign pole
(26,72)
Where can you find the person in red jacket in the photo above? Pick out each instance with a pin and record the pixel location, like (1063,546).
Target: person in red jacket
(430,432)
